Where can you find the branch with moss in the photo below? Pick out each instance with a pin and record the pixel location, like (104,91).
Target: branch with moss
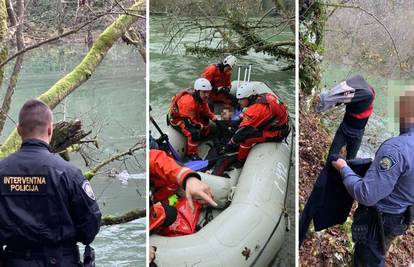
(80,73)
(124,218)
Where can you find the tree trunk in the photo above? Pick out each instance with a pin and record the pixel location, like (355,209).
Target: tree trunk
(19,60)
(66,134)
(81,73)
(3,35)
(60,16)
(312,16)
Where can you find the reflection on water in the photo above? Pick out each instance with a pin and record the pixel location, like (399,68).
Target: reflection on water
(170,73)
(111,104)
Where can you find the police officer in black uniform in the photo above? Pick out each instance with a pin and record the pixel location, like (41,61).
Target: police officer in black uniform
(46,204)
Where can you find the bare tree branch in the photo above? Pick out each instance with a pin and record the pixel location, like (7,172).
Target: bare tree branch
(378,20)
(92,172)
(31,47)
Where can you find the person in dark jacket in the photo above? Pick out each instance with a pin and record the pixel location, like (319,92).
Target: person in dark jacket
(385,194)
(358,97)
(46,204)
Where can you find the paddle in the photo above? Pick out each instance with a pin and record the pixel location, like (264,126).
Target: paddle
(197,165)
(165,137)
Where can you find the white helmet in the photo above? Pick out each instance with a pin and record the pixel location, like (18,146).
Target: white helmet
(202,84)
(245,90)
(230,60)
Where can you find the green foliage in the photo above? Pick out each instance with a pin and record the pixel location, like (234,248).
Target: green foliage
(311,47)
(89,175)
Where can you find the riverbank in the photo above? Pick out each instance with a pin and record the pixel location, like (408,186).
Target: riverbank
(332,247)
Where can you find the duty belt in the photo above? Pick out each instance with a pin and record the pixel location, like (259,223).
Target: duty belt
(366,217)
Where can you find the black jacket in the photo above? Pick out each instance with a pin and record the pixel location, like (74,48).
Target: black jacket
(329,203)
(44,200)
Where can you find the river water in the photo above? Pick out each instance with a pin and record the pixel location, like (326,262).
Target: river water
(112,105)
(174,71)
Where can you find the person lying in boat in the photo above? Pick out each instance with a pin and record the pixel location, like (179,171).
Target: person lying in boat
(219,75)
(190,114)
(265,119)
(166,176)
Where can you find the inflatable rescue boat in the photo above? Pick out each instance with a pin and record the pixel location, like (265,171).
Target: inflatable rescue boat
(249,225)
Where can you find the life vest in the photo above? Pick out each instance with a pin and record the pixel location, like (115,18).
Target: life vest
(174,112)
(279,117)
(157,216)
(216,77)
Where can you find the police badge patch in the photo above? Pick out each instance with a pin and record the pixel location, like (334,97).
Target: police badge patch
(87,188)
(386,163)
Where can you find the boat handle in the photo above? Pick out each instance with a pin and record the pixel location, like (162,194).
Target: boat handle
(231,193)
(287,220)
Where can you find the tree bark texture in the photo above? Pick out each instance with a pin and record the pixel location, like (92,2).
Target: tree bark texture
(3,35)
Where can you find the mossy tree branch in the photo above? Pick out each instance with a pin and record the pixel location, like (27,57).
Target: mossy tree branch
(124,218)
(80,73)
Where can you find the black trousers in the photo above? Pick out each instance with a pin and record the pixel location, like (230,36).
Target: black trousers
(341,139)
(370,252)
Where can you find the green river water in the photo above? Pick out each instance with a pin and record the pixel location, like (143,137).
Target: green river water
(172,72)
(113,102)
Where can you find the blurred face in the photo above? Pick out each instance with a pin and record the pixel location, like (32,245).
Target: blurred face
(204,95)
(244,102)
(407,110)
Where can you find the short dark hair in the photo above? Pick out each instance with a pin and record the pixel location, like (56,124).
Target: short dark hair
(34,118)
